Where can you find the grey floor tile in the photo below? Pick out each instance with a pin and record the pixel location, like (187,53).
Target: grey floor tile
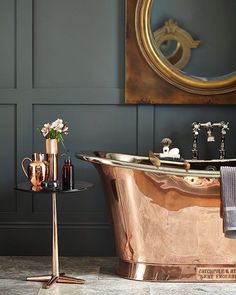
(192,289)
(95,261)
(22,267)
(62,289)
(80,267)
(17,287)
(100,288)
(108,273)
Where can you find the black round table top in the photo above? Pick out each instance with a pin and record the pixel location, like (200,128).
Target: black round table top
(79,187)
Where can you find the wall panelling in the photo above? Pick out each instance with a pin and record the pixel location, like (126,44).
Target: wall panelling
(65,58)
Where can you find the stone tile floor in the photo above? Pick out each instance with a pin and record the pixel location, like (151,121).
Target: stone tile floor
(99,275)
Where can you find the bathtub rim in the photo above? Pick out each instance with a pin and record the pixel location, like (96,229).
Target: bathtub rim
(93,158)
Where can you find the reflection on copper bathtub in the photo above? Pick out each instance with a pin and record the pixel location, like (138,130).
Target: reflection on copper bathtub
(176,192)
(167,226)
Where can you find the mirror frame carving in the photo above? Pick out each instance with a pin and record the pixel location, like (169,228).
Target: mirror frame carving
(184,43)
(151,80)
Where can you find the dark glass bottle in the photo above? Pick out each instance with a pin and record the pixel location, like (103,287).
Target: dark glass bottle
(68,175)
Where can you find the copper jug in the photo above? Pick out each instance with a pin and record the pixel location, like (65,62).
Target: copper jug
(37,170)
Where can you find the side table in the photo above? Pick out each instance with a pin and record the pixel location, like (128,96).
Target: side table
(56,276)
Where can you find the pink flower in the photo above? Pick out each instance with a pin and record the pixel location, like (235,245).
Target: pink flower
(46,129)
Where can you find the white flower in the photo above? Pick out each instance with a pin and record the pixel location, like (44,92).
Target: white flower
(57,125)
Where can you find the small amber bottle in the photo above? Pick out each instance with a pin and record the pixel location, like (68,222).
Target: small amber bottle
(68,175)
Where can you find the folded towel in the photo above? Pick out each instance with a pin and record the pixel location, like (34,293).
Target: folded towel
(228,198)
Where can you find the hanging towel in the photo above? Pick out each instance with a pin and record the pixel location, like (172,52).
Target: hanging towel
(228,198)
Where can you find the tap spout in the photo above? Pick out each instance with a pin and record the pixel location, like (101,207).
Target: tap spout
(210,136)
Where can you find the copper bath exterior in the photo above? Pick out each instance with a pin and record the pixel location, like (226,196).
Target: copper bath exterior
(167,221)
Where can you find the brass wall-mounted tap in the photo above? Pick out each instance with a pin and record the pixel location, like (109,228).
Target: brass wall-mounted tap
(210,137)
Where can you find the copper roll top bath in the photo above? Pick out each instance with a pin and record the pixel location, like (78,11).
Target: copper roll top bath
(167,221)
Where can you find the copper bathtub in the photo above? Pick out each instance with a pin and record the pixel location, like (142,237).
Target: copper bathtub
(167,221)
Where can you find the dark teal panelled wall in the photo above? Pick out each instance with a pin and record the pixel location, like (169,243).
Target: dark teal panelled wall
(65,58)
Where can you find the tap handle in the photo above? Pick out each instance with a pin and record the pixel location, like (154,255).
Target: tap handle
(224,127)
(196,127)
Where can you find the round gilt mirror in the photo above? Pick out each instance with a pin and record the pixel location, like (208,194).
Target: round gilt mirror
(208,65)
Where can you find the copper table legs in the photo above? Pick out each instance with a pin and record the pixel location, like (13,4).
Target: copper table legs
(56,276)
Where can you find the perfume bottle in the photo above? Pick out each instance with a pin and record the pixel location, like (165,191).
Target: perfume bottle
(67,174)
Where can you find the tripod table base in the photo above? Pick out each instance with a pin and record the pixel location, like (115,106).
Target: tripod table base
(51,280)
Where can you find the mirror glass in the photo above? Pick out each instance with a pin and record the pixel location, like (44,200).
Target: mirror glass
(212,23)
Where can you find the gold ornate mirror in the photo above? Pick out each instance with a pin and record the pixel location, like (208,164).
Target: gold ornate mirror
(154,76)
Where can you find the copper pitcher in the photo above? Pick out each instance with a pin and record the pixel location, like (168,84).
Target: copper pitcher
(37,170)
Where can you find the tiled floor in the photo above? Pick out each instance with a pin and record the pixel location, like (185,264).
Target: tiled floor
(100,279)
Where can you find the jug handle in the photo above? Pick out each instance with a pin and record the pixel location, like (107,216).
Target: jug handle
(22,165)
